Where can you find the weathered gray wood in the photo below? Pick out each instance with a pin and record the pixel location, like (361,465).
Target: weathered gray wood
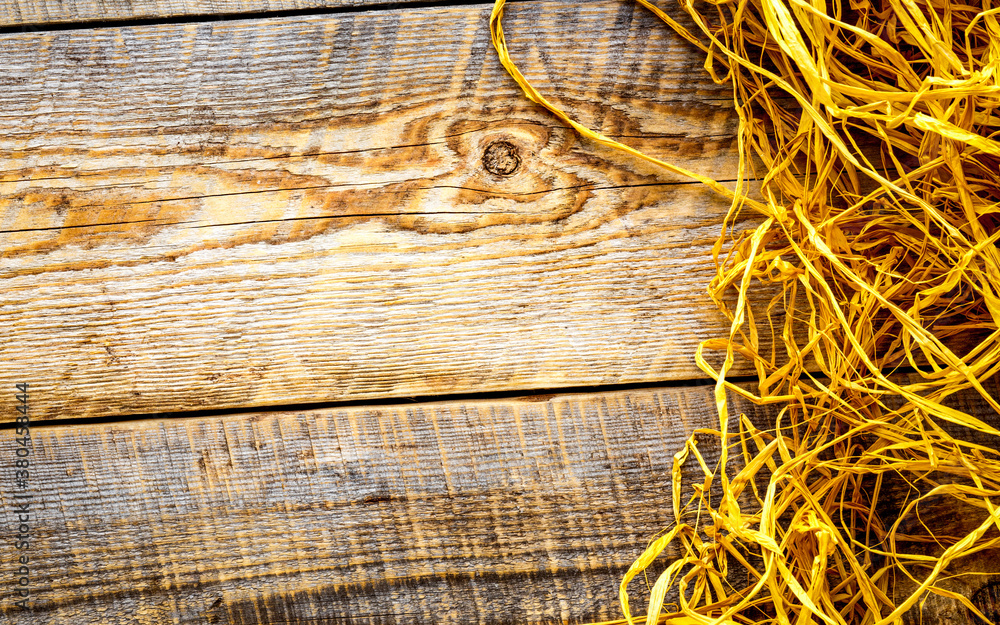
(299,210)
(525,511)
(42,13)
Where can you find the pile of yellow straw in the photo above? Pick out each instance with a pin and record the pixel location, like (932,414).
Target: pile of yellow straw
(877,124)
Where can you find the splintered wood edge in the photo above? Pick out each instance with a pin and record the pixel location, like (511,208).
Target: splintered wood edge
(529,509)
(314,209)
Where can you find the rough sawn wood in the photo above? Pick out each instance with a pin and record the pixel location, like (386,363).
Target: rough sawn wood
(525,510)
(297,210)
(40,14)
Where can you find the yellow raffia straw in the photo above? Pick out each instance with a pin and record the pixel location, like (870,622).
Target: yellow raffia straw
(877,126)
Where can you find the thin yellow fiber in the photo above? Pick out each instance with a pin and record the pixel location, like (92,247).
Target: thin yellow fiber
(875,126)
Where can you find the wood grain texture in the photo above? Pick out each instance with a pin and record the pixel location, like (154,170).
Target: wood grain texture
(522,511)
(42,13)
(296,210)
(515,511)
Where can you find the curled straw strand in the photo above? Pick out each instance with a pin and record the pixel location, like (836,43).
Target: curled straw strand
(876,124)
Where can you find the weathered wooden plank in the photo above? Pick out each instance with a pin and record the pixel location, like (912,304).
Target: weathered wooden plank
(526,510)
(298,210)
(521,511)
(41,13)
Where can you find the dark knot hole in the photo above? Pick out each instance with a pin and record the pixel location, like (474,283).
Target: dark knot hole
(501,158)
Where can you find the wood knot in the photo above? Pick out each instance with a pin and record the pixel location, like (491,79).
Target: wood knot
(501,158)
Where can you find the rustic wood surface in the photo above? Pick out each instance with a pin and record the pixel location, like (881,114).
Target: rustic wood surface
(358,206)
(330,208)
(515,511)
(525,510)
(41,14)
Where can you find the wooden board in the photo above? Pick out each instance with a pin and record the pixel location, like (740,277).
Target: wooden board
(42,14)
(354,206)
(522,511)
(516,511)
(319,209)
